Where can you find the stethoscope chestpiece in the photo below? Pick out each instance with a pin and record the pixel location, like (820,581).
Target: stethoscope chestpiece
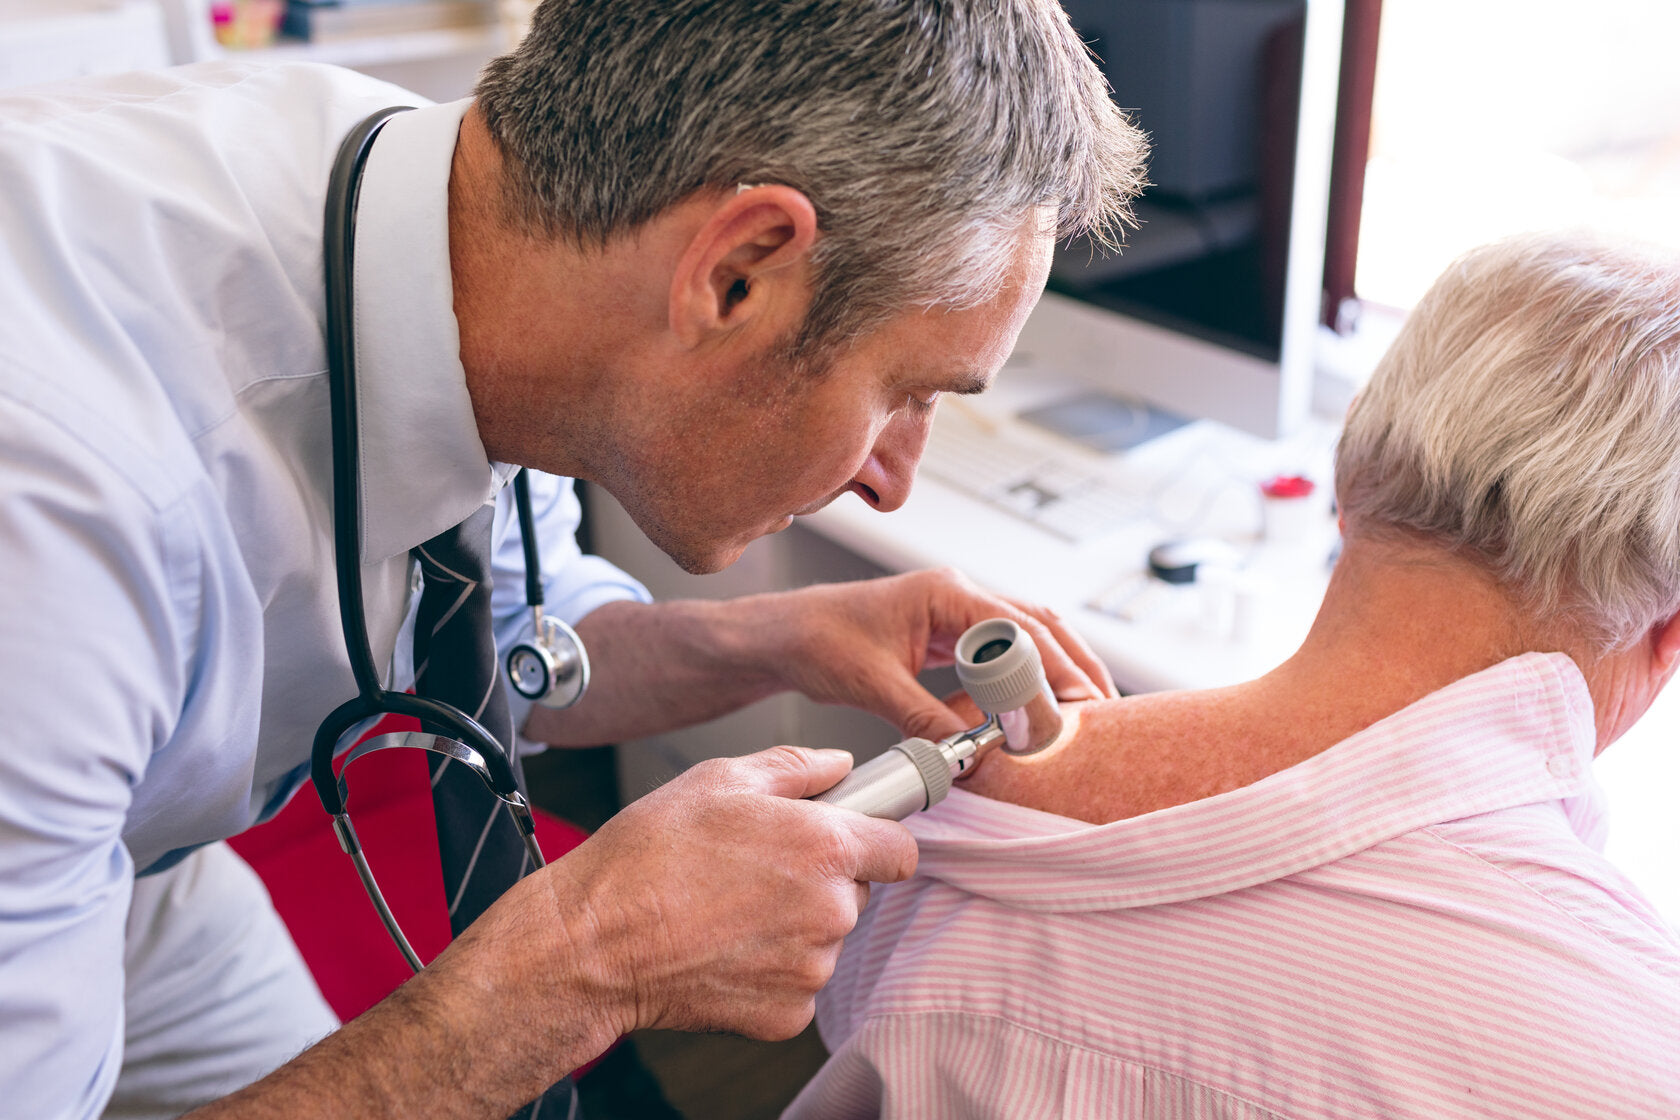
(551,667)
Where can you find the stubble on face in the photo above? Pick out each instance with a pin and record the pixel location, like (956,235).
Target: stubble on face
(694,480)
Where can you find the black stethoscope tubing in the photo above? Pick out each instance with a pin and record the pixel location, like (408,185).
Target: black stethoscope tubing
(371,699)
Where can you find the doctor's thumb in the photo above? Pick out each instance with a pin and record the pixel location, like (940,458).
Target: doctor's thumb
(791,771)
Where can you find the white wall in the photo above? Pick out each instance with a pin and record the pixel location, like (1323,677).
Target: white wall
(47,40)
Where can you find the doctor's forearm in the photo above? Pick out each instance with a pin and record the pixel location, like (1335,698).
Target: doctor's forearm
(660,666)
(480,1032)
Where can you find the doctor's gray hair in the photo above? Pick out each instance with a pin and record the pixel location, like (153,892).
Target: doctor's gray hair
(924,132)
(1528,417)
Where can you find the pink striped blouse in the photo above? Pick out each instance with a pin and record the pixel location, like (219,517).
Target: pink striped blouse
(1415,923)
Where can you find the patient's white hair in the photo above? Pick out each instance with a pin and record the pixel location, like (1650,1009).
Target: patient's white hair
(1528,417)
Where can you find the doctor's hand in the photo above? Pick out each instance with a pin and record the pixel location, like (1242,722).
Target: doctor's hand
(718,902)
(659,666)
(863,644)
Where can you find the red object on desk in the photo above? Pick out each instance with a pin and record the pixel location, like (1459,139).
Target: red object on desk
(1287,486)
(319,896)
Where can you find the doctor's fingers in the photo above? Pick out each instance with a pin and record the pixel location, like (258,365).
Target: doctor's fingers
(793,772)
(763,949)
(868,850)
(889,691)
(1074,670)
(856,847)
(770,994)
(759,799)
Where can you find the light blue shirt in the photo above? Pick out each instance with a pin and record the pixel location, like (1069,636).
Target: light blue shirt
(169,632)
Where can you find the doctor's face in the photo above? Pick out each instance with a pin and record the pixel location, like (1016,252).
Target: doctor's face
(771,441)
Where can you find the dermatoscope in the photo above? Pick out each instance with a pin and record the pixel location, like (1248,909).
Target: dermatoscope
(999,667)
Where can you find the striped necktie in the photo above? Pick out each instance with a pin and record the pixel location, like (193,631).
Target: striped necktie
(455,661)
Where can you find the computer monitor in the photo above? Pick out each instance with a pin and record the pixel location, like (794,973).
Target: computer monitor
(1211,309)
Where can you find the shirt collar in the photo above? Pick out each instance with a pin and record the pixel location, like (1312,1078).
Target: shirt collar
(423,466)
(1516,734)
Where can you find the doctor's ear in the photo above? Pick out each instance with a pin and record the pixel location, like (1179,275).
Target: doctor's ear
(746,263)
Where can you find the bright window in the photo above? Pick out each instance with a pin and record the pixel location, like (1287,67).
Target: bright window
(1496,116)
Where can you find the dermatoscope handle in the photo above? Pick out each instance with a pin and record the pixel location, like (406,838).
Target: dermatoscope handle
(907,778)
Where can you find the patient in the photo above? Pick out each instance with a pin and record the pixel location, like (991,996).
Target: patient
(1368,883)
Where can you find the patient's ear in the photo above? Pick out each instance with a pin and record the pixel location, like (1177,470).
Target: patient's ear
(1665,644)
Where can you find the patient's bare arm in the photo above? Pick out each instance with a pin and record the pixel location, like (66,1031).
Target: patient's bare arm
(1122,758)
(1082,775)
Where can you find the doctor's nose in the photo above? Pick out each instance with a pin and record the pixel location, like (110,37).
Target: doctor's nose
(885,478)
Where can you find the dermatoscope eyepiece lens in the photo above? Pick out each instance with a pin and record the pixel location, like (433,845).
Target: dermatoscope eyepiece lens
(998,665)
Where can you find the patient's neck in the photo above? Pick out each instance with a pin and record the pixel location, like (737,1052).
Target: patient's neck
(1399,621)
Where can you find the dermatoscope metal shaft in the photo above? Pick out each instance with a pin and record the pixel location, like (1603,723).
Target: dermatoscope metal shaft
(1000,669)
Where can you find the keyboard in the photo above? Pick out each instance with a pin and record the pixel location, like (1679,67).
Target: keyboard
(1053,492)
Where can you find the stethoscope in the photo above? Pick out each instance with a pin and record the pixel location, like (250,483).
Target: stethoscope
(550,666)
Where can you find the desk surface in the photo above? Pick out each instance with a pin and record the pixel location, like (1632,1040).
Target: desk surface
(1200,480)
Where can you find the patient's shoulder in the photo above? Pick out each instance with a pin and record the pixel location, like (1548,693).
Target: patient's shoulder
(1123,758)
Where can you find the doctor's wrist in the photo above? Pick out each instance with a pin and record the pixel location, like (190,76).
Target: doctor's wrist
(763,639)
(531,974)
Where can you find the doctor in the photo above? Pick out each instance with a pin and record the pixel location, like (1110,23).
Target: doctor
(720,259)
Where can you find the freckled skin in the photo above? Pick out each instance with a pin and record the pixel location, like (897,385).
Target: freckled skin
(1122,758)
